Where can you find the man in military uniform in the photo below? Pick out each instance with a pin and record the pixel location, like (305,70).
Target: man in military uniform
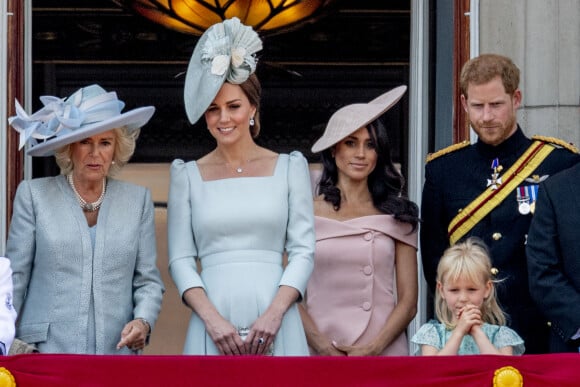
(553,252)
(488,189)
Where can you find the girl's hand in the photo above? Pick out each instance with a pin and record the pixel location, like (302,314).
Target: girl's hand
(475,329)
(469,316)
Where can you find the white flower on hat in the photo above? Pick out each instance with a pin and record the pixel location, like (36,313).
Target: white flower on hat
(238,55)
(220,64)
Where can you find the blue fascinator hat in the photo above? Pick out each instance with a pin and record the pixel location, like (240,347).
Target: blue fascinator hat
(89,111)
(225,52)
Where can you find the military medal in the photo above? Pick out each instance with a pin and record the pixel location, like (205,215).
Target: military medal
(495,179)
(524,208)
(523,200)
(526,196)
(533,189)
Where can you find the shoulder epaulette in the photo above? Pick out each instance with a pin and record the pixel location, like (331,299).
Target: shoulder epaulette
(557,141)
(446,150)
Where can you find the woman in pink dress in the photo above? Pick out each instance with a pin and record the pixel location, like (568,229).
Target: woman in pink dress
(362,294)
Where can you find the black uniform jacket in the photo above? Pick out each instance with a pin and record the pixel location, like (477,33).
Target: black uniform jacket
(455,179)
(553,251)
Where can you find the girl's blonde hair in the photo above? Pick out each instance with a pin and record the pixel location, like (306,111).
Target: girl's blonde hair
(468,259)
(125,143)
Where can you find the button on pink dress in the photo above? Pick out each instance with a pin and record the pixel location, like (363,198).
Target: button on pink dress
(351,292)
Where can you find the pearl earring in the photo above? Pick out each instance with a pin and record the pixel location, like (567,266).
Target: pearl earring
(252,122)
(113,162)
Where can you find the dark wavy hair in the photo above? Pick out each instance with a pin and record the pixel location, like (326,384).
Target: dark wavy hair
(385,182)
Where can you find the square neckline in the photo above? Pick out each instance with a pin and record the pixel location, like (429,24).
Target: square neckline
(274,172)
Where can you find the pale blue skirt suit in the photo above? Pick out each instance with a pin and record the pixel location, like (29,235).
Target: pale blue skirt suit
(73,297)
(239,228)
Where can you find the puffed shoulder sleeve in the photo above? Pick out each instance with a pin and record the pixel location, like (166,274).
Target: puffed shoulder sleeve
(505,337)
(300,238)
(180,236)
(428,335)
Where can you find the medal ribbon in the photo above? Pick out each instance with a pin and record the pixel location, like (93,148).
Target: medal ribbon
(533,192)
(491,198)
(522,194)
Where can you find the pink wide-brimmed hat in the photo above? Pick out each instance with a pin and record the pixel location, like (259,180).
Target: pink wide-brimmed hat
(351,118)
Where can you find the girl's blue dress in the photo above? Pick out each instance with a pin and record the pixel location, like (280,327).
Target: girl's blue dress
(435,334)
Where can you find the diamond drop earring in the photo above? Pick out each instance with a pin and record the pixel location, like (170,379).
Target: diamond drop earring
(252,122)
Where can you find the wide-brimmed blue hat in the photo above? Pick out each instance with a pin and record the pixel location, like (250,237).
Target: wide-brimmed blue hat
(89,111)
(225,52)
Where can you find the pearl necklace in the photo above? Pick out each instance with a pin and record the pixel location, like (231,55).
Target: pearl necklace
(88,207)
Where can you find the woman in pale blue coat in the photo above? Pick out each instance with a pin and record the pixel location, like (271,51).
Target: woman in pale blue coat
(82,244)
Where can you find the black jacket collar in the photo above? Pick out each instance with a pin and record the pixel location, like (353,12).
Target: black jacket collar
(516,143)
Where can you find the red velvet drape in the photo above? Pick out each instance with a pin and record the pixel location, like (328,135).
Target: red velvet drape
(172,371)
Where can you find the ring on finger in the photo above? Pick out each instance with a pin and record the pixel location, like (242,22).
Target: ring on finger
(261,341)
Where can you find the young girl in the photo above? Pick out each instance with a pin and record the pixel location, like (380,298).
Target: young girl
(470,319)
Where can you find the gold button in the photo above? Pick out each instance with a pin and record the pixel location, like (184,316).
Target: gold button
(494,271)
(549,323)
(496,236)
(459,210)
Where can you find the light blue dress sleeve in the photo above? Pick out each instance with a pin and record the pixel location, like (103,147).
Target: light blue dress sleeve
(428,334)
(505,336)
(180,237)
(300,238)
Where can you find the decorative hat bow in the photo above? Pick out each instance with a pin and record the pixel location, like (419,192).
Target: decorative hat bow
(61,116)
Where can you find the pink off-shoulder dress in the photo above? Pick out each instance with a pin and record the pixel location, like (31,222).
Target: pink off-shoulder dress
(351,292)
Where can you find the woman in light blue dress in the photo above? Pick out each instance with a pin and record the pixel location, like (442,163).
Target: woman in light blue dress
(238,210)
(470,319)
